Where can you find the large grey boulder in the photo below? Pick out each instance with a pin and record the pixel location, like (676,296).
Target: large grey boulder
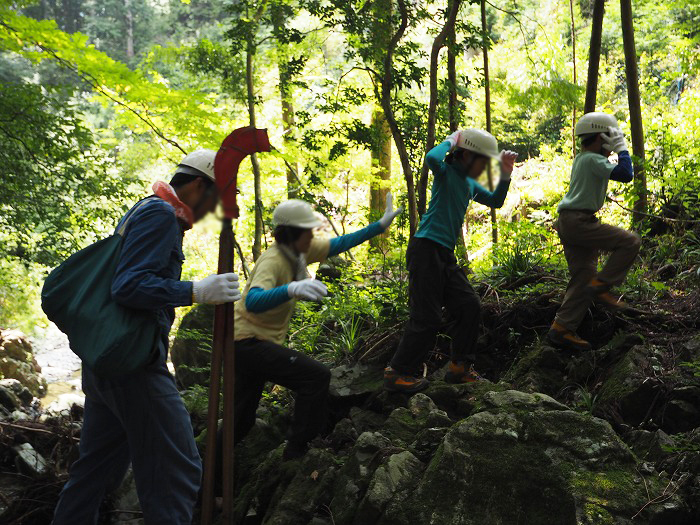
(510,457)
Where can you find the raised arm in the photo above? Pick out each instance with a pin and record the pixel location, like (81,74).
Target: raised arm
(492,199)
(496,198)
(435,158)
(624,171)
(345,242)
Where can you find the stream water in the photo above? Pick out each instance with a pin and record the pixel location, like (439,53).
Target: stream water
(59,365)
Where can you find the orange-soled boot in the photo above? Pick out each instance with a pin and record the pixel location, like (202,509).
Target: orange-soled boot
(562,337)
(459,373)
(600,291)
(395,381)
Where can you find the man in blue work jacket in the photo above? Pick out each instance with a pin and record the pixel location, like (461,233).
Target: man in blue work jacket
(140,419)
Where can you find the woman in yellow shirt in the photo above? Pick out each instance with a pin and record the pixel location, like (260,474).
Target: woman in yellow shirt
(279,279)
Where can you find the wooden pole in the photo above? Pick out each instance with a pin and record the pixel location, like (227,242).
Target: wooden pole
(229,389)
(594,55)
(222,352)
(633,98)
(573,58)
(487,90)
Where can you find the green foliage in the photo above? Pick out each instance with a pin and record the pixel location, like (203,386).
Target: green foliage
(85,127)
(58,188)
(357,306)
(346,336)
(520,253)
(196,400)
(19,294)
(587,399)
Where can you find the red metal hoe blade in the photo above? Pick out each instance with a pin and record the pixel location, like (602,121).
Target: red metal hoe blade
(239,144)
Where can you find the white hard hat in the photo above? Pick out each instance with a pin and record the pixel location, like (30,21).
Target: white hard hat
(595,122)
(297,213)
(479,141)
(200,163)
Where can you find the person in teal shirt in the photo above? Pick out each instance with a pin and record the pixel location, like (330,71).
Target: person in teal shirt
(434,277)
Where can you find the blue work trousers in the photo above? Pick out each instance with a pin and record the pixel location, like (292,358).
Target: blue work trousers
(138,419)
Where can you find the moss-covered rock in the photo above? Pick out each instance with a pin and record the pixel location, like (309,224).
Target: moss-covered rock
(524,458)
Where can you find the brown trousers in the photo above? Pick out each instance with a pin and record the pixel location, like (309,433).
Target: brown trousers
(584,237)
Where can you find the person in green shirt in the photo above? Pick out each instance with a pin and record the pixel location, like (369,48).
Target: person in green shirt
(434,277)
(584,236)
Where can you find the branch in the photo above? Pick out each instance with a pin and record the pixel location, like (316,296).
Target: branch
(96,85)
(515,16)
(438,44)
(387,85)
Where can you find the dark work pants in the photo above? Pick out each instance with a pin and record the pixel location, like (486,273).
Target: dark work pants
(435,280)
(260,361)
(140,419)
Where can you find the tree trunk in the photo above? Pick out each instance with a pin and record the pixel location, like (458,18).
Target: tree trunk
(573,58)
(257,240)
(381,173)
(594,55)
(438,44)
(386,88)
(487,101)
(129,29)
(454,117)
(285,87)
(636,127)
(452,81)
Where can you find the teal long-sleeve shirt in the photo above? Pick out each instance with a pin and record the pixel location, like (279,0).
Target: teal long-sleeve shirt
(452,192)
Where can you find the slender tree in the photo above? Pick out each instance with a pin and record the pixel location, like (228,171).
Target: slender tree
(594,55)
(438,44)
(633,98)
(381,171)
(573,59)
(387,86)
(285,66)
(452,109)
(381,133)
(487,101)
(129,17)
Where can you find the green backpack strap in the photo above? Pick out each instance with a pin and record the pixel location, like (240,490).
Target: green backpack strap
(122,228)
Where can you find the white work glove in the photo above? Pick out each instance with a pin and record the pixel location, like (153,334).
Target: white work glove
(217,289)
(389,213)
(308,290)
(614,140)
(507,162)
(453,140)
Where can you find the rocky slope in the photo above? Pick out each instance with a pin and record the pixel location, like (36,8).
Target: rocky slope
(610,436)
(465,454)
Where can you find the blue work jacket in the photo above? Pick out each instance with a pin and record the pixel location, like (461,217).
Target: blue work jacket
(150,264)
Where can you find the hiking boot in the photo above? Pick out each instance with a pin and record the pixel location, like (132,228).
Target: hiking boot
(600,291)
(459,373)
(562,337)
(395,381)
(294,450)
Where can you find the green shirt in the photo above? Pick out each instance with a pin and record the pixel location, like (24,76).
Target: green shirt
(451,194)
(590,175)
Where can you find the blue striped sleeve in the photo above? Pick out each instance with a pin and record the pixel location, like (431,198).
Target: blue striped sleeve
(345,242)
(258,300)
